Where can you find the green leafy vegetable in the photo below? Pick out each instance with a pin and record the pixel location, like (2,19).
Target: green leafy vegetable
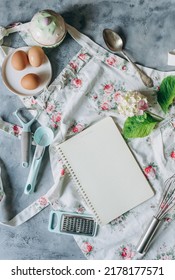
(166,94)
(139,126)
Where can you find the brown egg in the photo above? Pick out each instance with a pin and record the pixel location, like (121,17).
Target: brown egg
(36,56)
(30,81)
(19,60)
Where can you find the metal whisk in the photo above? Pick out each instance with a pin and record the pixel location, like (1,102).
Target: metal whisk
(167,202)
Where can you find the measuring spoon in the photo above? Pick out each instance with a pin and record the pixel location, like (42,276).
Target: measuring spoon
(43,137)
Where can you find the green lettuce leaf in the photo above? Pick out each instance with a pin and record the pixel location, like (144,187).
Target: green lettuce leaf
(139,126)
(166,94)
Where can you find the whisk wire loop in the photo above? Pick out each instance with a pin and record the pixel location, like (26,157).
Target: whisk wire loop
(168,198)
(166,204)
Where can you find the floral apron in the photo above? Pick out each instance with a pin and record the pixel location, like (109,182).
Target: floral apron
(83,93)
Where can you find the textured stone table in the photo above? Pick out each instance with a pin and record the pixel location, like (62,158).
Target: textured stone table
(148,28)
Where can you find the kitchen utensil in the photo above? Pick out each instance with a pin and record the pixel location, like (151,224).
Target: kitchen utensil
(166,204)
(72,223)
(26,133)
(115,43)
(43,137)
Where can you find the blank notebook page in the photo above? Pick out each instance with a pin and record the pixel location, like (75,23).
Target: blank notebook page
(105,171)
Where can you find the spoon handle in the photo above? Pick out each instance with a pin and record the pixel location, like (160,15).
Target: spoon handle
(148,82)
(34,170)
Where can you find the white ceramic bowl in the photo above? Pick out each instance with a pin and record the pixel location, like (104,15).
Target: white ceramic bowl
(47,28)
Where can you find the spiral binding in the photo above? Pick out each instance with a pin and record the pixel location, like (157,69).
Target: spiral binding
(78,185)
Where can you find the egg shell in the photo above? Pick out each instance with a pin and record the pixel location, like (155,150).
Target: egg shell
(19,60)
(36,56)
(30,81)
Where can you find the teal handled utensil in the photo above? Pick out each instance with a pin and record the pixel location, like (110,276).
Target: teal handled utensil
(26,134)
(43,137)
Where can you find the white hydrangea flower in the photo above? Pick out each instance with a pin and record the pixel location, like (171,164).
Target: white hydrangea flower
(132,103)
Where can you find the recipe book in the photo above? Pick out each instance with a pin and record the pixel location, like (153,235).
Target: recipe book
(104,171)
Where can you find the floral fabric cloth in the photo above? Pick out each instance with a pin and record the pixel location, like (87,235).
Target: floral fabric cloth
(88,89)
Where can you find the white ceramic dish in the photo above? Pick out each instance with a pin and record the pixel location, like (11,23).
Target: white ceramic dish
(12,78)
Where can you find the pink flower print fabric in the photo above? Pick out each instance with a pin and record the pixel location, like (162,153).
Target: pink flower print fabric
(17,130)
(87,248)
(172,155)
(108,96)
(165,252)
(73,65)
(80,209)
(111,60)
(126,252)
(118,97)
(77,82)
(150,171)
(62,171)
(12,129)
(83,56)
(105,106)
(77,128)
(108,88)
(56,117)
(43,201)
(50,108)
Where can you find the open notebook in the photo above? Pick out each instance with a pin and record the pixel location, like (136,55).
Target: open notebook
(104,171)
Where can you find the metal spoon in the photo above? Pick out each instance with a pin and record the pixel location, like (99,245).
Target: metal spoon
(115,43)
